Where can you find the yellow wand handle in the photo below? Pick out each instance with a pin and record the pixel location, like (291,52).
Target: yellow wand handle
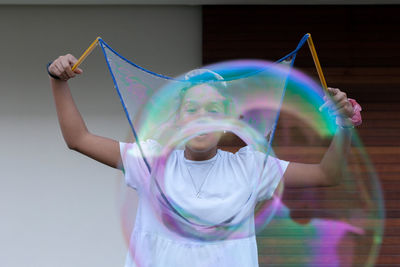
(86,53)
(316,62)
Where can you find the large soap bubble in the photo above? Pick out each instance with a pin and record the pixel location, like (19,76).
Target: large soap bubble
(327,226)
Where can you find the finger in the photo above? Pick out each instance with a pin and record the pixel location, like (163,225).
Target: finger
(333,91)
(328,105)
(59,71)
(348,110)
(73,61)
(64,73)
(342,111)
(335,109)
(342,103)
(67,68)
(340,100)
(345,111)
(339,97)
(338,112)
(69,72)
(78,71)
(323,106)
(343,108)
(52,69)
(63,76)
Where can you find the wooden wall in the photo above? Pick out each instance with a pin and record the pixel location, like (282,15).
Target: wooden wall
(358,47)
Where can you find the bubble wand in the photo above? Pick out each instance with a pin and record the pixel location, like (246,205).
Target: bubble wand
(316,62)
(356,119)
(86,53)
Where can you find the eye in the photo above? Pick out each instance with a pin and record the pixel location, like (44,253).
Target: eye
(214,109)
(191,109)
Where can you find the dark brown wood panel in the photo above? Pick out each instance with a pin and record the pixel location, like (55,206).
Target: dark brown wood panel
(358,47)
(345,36)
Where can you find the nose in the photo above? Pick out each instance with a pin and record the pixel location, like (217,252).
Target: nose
(202,112)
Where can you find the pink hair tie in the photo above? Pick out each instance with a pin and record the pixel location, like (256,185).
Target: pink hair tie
(356,118)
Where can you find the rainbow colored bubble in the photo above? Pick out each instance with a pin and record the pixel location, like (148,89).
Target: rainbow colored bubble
(273,111)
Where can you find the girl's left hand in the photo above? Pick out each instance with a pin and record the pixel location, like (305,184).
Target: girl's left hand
(339,106)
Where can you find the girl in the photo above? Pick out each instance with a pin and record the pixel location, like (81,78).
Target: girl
(199,173)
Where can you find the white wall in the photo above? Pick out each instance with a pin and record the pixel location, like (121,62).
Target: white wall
(59,208)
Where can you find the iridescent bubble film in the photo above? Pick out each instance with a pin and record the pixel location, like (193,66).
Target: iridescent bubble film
(272,109)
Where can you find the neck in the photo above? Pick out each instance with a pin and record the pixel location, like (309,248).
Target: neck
(198,156)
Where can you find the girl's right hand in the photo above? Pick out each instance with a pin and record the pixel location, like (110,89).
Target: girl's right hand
(62,67)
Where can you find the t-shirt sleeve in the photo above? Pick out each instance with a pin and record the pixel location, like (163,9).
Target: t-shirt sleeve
(271,174)
(135,169)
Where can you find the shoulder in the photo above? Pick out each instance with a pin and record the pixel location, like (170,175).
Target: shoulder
(149,147)
(135,168)
(255,159)
(249,152)
(132,154)
(242,154)
(245,158)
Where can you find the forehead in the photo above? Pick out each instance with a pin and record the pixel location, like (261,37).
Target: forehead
(203,93)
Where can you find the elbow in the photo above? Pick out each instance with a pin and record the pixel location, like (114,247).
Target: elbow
(332,180)
(75,140)
(330,177)
(71,146)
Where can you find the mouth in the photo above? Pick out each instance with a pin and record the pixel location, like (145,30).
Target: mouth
(202,136)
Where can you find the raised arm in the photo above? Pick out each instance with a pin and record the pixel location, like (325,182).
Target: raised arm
(329,171)
(73,127)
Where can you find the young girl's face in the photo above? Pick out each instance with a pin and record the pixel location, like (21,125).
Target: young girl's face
(202,100)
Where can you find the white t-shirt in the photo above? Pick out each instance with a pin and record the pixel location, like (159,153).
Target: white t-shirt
(214,189)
